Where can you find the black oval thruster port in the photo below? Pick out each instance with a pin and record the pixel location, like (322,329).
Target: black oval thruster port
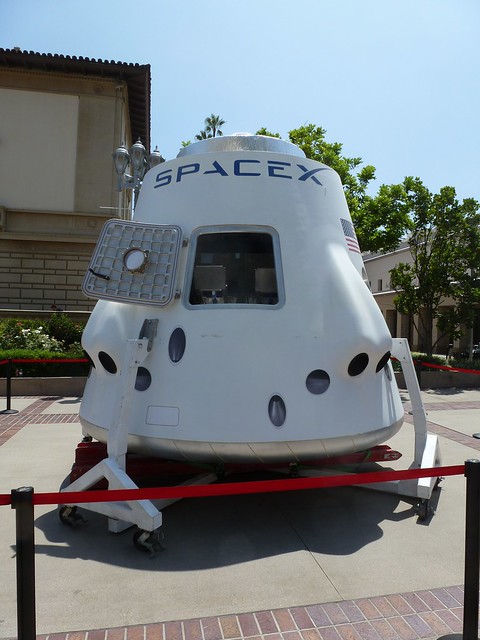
(90,361)
(383,361)
(358,364)
(143,379)
(176,345)
(318,381)
(107,362)
(277,410)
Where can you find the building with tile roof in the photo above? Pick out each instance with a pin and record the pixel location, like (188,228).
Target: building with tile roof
(61,117)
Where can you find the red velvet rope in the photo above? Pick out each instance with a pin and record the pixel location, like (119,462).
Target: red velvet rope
(445,368)
(237,488)
(51,360)
(418,362)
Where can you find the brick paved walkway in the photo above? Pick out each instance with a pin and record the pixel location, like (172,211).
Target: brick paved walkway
(405,616)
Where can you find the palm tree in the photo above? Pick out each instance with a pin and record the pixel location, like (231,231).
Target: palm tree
(212,128)
(203,135)
(213,124)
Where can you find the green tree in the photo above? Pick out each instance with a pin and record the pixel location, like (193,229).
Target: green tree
(203,135)
(444,239)
(265,132)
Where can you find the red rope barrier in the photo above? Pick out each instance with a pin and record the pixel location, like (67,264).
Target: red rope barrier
(52,360)
(237,488)
(446,368)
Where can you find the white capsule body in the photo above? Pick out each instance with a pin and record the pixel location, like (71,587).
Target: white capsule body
(269,345)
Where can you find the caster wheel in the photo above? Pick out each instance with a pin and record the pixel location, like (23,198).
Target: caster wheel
(69,516)
(423,509)
(148,541)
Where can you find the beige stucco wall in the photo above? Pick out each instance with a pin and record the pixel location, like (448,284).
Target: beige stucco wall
(378,268)
(57,182)
(401,326)
(37,159)
(98,136)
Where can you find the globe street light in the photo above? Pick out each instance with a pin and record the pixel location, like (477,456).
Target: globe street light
(136,158)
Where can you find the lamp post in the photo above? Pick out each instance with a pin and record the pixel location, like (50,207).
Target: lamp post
(135,157)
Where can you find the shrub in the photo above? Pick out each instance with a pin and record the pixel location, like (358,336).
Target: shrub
(44,369)
(33,339)
(27,338)
(62,328)
(464,364)
(418,358)
(12,328)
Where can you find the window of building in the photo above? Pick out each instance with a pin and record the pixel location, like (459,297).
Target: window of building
(235,266)
(379,284)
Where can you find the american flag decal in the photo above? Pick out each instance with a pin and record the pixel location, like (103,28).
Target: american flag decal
(350,236)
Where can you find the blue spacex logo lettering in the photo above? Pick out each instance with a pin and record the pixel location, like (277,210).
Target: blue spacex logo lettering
(243,167)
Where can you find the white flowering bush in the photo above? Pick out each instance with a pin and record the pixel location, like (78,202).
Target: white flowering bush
(42,341)
(31,338)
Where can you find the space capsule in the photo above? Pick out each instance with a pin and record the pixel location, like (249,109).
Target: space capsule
(265,344)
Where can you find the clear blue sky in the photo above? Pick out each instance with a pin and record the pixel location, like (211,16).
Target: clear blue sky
(397,82)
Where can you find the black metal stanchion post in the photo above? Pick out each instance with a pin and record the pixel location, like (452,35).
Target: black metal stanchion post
(472,555)
(472,551)
(9,389)
(22,502)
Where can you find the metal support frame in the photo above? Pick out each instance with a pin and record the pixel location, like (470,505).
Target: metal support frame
(143,513)
(426,448)
(122,515)
(426,452)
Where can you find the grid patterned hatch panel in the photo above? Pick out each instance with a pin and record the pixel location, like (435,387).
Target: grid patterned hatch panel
(107,276)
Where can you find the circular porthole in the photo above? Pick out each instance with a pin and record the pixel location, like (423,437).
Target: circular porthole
(143,379)
(277,411)
(135,260)
(107,362)
(358,364)
(318,381)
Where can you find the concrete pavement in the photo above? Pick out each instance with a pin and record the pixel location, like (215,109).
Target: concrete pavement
(346,563)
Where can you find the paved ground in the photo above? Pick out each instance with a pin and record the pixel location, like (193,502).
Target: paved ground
(335,564)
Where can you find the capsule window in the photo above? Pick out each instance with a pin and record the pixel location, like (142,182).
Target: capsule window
(233,267)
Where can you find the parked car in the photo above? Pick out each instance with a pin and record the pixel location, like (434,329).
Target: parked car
(465,355)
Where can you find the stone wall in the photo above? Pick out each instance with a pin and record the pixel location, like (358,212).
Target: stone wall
(443,380)
(44,274)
